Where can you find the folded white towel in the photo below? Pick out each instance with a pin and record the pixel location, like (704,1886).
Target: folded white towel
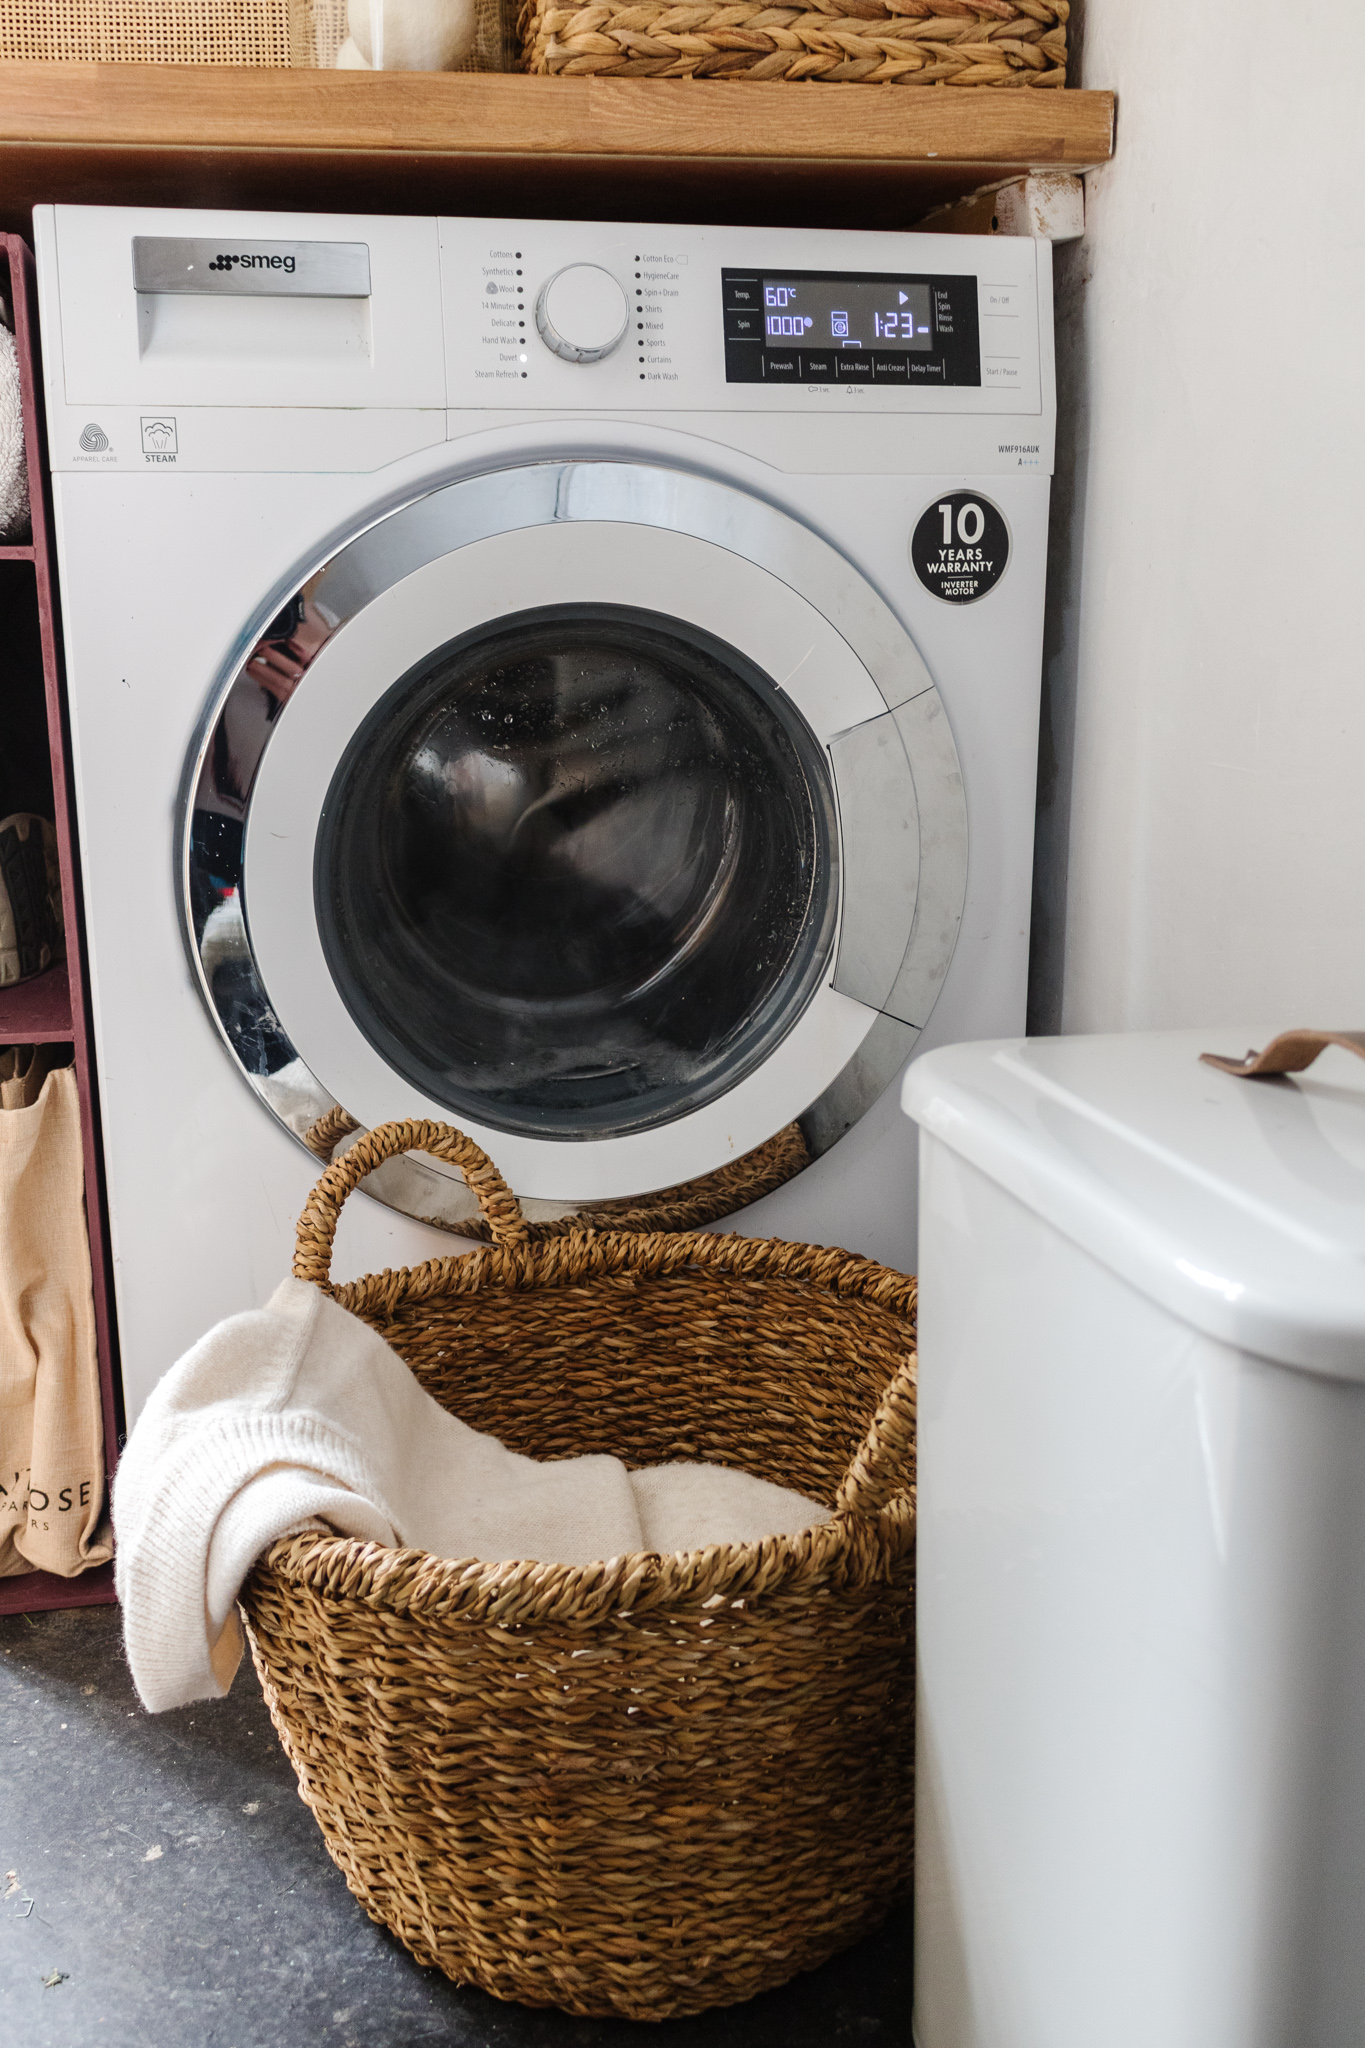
(13,462)
(299,1413)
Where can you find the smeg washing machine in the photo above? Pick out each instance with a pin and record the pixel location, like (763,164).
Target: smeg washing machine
(574,681)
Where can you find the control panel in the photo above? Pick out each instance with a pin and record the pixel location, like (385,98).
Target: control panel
(187,337)
(587,315)
(820,327)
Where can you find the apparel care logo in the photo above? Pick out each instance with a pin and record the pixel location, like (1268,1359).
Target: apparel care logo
(227,262)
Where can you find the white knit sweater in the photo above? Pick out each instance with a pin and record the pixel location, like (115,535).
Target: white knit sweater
(299,1413)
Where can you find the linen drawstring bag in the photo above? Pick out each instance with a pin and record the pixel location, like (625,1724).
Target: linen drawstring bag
(51,1429)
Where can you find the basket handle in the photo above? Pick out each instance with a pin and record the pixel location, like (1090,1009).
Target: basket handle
(878,1467)
(318,1223)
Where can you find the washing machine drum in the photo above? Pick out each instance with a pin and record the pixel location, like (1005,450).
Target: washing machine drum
(598,808)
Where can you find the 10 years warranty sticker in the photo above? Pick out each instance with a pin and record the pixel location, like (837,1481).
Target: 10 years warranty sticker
(961,547)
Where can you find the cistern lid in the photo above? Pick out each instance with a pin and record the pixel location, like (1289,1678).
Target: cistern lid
(1237,1204)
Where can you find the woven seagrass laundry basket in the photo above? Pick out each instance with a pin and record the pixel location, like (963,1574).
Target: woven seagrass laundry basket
(659,1783)
(869,42)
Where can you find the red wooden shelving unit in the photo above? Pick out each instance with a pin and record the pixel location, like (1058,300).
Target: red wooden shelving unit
(55,1005)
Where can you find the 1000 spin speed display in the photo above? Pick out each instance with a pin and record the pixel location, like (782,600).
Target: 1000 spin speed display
(846,314)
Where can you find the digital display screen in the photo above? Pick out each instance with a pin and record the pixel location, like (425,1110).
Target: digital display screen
(847,313)
(824,328)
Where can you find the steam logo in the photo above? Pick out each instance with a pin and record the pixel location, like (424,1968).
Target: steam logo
(158,437)
(227,262)
(94,440)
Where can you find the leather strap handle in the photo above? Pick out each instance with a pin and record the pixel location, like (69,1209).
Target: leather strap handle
(322,1210)
(1290,1053)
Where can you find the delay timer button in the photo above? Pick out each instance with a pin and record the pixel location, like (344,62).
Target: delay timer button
(581,313)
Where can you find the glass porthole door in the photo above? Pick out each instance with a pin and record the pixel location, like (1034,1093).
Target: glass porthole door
(557,805)
(575,874)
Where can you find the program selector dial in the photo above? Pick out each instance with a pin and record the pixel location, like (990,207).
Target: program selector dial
(582,313)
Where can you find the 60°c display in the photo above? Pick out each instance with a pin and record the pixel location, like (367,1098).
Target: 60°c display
(847,313)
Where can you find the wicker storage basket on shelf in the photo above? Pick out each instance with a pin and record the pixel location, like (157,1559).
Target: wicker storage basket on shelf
(266,35)
(869,42)
(659,1783)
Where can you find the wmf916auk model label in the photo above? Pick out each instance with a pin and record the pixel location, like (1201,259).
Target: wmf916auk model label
(961,547)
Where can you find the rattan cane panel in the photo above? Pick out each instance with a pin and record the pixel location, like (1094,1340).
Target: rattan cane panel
(257,35)
(317,30)
(254,33)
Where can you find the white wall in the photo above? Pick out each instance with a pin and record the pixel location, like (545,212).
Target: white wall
(1202,837)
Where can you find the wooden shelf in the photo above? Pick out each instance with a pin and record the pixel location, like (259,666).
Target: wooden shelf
(9,554)
(36,1012)
(454,142)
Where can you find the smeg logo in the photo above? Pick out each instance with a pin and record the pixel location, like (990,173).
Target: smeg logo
(226,261)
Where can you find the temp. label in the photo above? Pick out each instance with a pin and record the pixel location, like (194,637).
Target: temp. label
(961,547)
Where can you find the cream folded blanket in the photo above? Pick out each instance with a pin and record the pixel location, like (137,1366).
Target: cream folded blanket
(299,1413)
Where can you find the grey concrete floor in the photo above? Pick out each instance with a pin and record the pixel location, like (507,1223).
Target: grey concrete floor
(167,1887)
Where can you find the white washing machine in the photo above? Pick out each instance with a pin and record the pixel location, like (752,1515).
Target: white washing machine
(575,681)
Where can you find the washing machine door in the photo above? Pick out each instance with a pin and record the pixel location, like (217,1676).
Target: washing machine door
(598,808)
